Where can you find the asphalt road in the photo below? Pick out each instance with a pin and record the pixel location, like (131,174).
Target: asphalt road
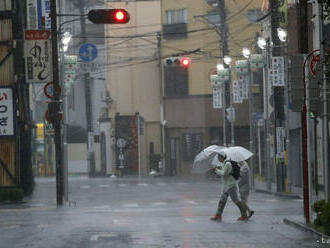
(150,212)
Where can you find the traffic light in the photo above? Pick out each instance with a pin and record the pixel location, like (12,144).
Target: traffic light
(177,61)
(108,16)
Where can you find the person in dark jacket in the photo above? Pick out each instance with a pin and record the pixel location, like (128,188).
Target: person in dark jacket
(244,186)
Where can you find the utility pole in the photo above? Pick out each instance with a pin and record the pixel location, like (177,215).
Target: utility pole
(325,132)
(56,108)
(87,82)
(162,114)
(224,47)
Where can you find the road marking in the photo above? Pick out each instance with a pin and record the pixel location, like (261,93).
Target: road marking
(121,222)
(95,237)
(191,202)
(159,203)
(162,184)
(189,220)
(104,186)
(84,187)
(43,226)
(271,200)
(131,205)
(122,185)
(102,207)
(143,184)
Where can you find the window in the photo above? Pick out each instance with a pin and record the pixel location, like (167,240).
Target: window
(192,145)
(176,16)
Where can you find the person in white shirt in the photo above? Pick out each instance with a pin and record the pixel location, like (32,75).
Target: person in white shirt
(229,187)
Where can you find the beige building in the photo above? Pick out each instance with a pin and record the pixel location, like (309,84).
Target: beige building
(190,28)
(133,80)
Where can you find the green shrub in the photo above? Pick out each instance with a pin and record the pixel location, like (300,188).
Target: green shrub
(322,221)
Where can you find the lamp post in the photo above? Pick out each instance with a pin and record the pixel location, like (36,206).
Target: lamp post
(264,45)
(247,53)
(219,68)
(227,60)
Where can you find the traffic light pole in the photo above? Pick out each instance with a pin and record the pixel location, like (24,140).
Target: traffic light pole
(56,109)
(87,79)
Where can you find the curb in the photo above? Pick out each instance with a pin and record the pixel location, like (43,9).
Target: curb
(282,194)
(306,228)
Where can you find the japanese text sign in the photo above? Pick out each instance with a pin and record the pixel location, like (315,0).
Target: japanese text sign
(7,113)
(38,56)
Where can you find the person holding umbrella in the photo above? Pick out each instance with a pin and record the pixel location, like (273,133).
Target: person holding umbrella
(229,187)
(244,186)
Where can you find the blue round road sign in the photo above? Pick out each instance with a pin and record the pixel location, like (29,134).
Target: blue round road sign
(87,52)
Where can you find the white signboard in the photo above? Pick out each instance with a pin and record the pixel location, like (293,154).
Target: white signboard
(280,136)
(217,98)
(7,113)
(243,83)
(45,18)
(32,17)
(236,92)
(38,56)
(278,71)
(230,114)
(69,64)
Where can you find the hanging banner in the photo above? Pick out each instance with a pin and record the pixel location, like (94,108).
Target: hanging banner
(32,16)
(242,66)
(236,92)
(217,98)
(215,81)
(7,113)
(243,83)
(278,71)
(38,56)
(223,74)
(70,65)
(256,61)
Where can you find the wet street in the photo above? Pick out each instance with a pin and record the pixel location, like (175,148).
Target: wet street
(150,212)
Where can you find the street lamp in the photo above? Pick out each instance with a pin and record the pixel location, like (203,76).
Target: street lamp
(220,67)
(282,34)
(262,43)
(246,52)
(227,60)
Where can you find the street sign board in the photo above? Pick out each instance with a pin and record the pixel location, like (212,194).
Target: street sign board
(280,136)
(223,74)
(242,66)
(7,113)
(88,52)
(215,81)
(230,114)
(278,71)
(38,54)
(121,143)
(70,64)
(256,61)
(236,92)
(217,98)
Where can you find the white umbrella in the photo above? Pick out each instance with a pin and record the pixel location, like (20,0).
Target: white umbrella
(205,159)
(237,153)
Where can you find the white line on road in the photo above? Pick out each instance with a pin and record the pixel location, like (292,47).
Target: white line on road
(84,187)
(131,205)
(271,200)
(143,184)
(122,185)
(191,202)
(102,207)
(104,186)
(95,237)
(159,203)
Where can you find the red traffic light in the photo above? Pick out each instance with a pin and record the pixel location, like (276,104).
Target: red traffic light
(185,62)
(108,16)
